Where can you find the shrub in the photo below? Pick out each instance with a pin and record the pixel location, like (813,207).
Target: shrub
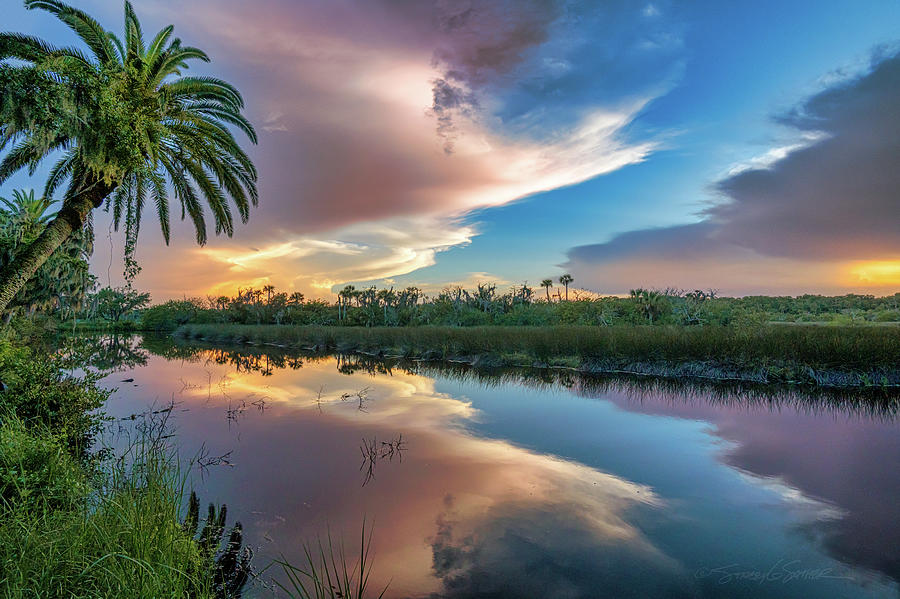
(888,316)
(40,394)
(36,471)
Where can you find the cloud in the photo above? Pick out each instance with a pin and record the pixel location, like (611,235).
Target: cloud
(358,104)
(833,199)
(810,215)
(525,548)
(311,264)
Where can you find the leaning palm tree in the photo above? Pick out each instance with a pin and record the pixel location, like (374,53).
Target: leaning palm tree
(64,279)
(547,284)
(128,126)
(565,280)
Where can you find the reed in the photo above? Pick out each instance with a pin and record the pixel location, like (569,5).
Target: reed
(828,356)
(330,571)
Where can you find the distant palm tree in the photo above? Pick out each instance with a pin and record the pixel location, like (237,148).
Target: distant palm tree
(547,284)
(295,299)
(650,303)
(344,297)
(65,278)
(127,123)
(269,290)
(565,280)
(25,209)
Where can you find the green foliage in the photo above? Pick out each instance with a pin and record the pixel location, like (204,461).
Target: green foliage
(36,470)
(113,304)
(77,527)
(129,545)
(63,281)
(41,395)
(518,306)
(172,314)
(887,316)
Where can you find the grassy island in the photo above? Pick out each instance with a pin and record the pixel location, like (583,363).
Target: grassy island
(840,356)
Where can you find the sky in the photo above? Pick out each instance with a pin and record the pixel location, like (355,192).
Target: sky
(750,148)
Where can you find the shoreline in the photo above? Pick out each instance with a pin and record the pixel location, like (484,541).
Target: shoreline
(767,356)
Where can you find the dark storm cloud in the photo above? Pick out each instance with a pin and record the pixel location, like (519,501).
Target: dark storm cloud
(478,42)
(684,242)
(548,60)
(837,198)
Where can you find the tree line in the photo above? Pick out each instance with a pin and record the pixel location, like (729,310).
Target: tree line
(518,305)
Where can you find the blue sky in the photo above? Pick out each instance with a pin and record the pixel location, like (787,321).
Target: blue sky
(559,126)
(743,63)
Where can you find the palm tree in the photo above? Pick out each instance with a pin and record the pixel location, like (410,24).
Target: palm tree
(295,299)
(128,125)
(345,294)
(650,303)
(65,278)
(547,284)
(565,280)
(25,209)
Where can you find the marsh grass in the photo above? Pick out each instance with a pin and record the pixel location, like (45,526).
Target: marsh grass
(78,523)
(330,572)
(826,356)
(125,541)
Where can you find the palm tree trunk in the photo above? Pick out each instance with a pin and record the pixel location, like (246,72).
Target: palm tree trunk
(70,218)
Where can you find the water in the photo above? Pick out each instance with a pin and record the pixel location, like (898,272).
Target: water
(530,484)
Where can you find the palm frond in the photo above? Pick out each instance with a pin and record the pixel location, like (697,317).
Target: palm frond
(22,155)
(206,88)
(158,43)
(33,49)
(161,199)
(89,30)
(59,173)
(134,37)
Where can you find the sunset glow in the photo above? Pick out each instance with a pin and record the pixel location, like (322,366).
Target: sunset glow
(629,145)
(880,273)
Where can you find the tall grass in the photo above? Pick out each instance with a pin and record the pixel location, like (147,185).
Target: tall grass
(767,351)
(124,542)
(329,572)
(76,524)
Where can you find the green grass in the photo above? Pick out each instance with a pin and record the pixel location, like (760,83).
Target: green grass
(834,355)
(76,525)
(124,541)
(330,572)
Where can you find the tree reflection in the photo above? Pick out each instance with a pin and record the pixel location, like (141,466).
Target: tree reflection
(117,352)
(106,353)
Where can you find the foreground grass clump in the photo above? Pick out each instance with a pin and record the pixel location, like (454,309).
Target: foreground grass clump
(330,571)
(75,525)
(128,544)
(840,356)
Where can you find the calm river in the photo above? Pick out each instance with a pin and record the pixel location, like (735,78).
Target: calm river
(531,484)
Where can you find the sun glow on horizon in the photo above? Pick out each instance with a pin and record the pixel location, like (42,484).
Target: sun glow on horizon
(876,272)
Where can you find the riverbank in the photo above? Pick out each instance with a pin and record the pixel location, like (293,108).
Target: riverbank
(816,356)
(78,520)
